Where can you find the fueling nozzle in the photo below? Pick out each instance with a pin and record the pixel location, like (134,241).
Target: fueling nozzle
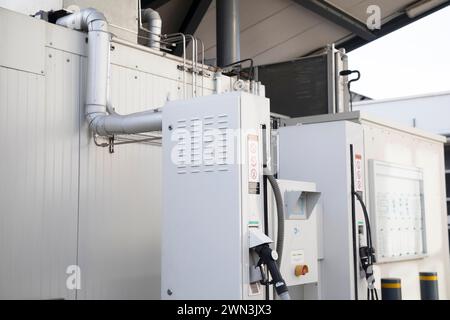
(269,258)
(259,242)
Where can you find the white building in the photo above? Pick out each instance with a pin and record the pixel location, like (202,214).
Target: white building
(427,112)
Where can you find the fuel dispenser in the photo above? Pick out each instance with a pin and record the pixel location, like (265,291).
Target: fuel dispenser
(218,240)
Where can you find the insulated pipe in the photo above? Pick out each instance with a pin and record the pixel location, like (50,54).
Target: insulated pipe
(97,103)
(280,216)
(228,32)
(154,21)
(107,125)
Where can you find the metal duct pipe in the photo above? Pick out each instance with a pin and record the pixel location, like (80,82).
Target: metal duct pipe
(154,21)
(228,32)
(99,120)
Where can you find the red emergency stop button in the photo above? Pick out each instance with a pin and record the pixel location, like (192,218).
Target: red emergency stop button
(301,270)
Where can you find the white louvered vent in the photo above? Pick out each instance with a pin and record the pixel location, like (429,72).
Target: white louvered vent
(222,142)
(181,149)
(202,144)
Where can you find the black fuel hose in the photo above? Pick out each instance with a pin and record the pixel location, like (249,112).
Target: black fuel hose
(280,216)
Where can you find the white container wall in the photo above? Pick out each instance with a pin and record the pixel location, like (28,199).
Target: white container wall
(63,200)
(39,172)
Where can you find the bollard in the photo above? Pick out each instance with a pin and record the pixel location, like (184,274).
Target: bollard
(429,289)
(391,289)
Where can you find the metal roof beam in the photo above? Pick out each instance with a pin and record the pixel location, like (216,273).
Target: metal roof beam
(338,17)
(154,4)
(389,27)
(193,18)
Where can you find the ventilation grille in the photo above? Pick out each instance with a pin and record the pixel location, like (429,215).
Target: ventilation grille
(202,144)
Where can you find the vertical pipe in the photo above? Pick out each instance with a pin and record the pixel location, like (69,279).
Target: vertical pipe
(228,32)
(331,57)
(429,289)
(203,67)
(154,26)
(391,289)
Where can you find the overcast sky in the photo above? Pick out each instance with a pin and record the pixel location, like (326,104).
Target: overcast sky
(411,61)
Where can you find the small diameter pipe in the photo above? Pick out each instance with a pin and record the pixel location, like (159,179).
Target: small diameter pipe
(174,37)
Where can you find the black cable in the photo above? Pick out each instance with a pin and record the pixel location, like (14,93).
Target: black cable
(372,294)
(366,253)
(266,225)
(252,69)
(366,218)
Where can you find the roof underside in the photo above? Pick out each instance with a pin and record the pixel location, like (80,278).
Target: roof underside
(280,30)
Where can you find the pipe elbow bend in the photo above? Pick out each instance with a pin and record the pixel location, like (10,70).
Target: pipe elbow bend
(149,15)
(88,19)
(95,20)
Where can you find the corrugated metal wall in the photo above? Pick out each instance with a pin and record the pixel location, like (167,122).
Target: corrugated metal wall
(64,201)
(39,145)
(120,201)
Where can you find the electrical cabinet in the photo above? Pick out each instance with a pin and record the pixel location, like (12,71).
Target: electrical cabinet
(212,195)
(398,172)
(321,153)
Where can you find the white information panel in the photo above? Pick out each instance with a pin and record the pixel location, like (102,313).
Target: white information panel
(397,211)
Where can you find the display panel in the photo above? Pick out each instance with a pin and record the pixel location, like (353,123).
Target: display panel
(397,211)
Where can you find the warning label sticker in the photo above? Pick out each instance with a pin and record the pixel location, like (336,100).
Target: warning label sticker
(253,164)
(297,257)
(359,185)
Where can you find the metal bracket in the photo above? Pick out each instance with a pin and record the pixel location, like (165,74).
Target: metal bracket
(111,144)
